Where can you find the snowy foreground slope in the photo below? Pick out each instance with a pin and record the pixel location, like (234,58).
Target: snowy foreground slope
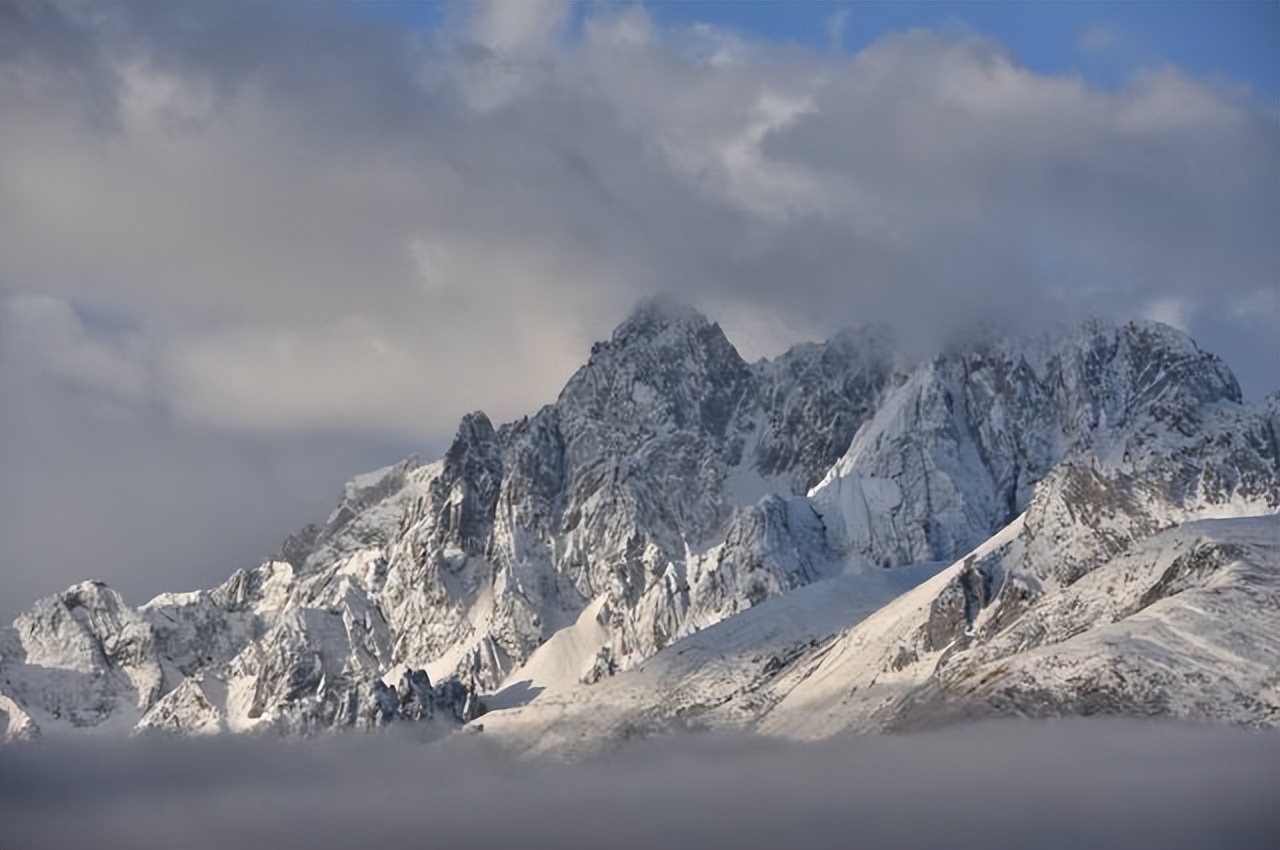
(1078,523)
(1182,625)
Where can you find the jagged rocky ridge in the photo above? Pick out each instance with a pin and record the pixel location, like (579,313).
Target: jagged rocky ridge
(670,487)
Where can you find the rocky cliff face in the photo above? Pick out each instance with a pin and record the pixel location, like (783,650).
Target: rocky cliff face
(672,485)
(954,452)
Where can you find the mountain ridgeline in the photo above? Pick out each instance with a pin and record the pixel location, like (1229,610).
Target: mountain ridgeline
(673,488)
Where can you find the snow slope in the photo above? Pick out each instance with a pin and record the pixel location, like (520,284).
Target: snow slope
(713,678)
(1151,632)
(1183,625)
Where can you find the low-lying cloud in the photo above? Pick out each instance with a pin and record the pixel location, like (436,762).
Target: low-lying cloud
(1092,783)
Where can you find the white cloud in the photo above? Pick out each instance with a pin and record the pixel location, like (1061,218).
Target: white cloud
(230,205)
(759,184)
(502,50)
(155,102)
(1097,39)
(56,342)
(506,27)
(1174,312)
(837,22)
(620,26)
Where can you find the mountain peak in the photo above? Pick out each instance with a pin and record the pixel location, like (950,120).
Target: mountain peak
(667,336)
(673,486)
(653,316)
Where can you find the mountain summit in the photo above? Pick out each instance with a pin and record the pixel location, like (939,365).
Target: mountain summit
(816,542)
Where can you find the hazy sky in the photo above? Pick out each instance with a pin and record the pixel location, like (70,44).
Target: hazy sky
(249,251)
(1072,784)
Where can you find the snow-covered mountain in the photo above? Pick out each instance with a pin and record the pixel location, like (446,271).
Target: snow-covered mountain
(686,537)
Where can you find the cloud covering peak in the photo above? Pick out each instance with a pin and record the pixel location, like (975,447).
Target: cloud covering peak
(284,219)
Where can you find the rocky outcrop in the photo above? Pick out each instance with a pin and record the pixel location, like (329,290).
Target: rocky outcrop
(16,724)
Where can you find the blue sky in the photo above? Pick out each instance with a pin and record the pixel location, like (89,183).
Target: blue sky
(1104,42)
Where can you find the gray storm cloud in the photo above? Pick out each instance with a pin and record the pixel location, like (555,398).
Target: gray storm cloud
(1083,783)
(281,220)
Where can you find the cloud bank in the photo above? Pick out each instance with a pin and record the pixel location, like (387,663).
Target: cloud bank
(278,220)
(1092,783)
